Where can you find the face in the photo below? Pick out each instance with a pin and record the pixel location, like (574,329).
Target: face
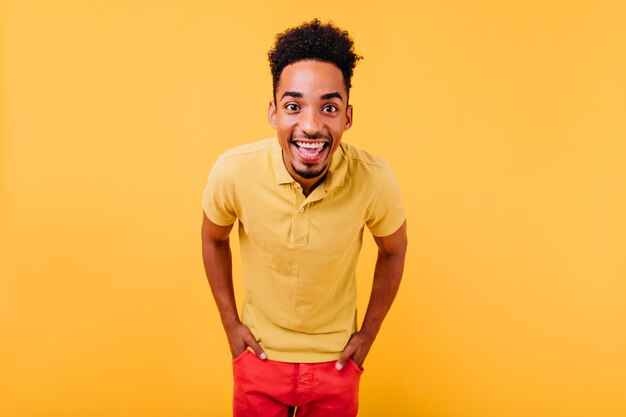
(310,114)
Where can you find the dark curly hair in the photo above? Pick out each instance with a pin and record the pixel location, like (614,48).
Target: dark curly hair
(313,41)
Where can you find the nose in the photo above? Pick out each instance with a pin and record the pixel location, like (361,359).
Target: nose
(310,123)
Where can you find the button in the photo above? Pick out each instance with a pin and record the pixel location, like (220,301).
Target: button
(301,209)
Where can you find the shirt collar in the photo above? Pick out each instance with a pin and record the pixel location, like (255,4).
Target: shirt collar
(281,173)
(334,177)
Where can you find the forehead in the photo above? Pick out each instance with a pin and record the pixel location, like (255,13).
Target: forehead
(312,77)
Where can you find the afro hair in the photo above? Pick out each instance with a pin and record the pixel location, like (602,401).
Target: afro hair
(313,41)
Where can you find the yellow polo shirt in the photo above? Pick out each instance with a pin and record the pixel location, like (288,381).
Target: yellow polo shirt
(298,254)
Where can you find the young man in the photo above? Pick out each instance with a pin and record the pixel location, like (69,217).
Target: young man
(302,201)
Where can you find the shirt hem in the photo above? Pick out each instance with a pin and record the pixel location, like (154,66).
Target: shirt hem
(302,357)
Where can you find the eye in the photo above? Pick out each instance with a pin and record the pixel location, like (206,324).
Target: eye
(292,107)
(329,108)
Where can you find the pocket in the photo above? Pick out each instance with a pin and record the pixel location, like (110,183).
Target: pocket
(355,366)
(240,356)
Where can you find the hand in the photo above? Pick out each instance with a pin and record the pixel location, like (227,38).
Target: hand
(357,348)
(239,338)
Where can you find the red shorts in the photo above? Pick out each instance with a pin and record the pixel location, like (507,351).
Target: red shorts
(265,388)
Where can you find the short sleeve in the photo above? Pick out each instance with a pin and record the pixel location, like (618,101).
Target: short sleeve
(386,213)
(217,198)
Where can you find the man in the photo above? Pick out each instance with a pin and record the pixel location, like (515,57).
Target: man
(302,201)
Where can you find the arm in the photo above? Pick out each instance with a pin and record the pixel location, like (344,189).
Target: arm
(217,260)
(387,276)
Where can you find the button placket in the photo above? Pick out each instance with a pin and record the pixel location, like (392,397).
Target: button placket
(300,218)
(301,225)
(302,215)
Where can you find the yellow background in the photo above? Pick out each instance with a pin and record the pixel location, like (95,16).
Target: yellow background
(505,123)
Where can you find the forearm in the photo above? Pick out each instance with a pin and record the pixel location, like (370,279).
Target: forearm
(387,277)
(218,266)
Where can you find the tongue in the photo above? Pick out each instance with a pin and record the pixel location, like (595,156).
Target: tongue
(310,155)
(310,151)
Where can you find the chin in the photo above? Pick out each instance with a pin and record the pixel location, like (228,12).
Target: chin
(311,173)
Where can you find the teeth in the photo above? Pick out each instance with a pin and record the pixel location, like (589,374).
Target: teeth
(310,145)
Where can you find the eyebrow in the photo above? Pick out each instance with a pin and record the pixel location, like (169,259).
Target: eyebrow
(326,96)
(291,94)
(331,95)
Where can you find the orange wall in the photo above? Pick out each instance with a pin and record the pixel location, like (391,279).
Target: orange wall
(505,123)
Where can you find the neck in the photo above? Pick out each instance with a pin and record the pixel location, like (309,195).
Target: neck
(309,185)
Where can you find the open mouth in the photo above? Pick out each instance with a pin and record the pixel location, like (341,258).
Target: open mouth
(310,152)
(310,149)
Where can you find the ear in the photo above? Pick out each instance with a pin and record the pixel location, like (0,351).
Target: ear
(271,114)
(348,117)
